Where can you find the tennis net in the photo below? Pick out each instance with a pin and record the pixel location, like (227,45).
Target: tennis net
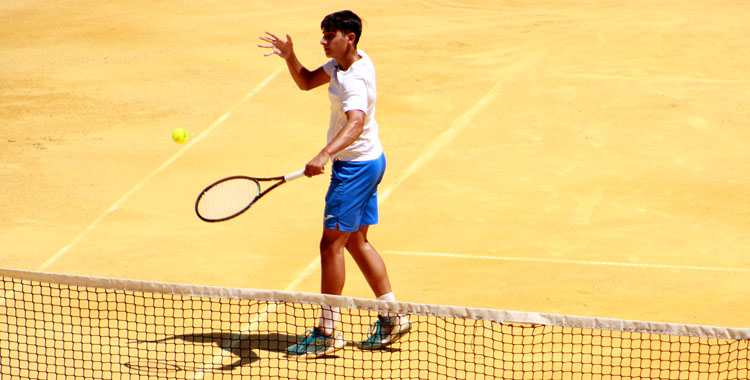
(66,326)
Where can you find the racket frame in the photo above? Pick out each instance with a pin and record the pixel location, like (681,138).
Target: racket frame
(281,180)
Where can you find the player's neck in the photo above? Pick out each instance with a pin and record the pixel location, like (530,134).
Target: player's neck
(348,59)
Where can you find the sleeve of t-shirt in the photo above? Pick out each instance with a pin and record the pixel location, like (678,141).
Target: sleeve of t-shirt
(355,95)
(328,67)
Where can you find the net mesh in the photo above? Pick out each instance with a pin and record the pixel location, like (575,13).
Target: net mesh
(54,326)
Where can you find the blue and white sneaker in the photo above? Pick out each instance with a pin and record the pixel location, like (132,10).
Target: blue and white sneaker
(385,331)
(314,343)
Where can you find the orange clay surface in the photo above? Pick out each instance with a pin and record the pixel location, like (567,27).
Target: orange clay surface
(576,157)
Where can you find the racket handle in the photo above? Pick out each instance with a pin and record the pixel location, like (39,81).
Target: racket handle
(294,175)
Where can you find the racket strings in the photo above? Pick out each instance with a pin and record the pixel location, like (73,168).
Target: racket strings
(228,198)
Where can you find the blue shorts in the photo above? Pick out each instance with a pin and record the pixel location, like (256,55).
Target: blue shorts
(352,198)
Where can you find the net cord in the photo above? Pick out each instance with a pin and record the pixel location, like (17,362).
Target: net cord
(499,316)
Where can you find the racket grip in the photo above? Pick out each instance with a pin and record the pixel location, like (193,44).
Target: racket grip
(294,175)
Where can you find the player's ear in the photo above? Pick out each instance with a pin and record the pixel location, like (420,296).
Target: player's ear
(351,37)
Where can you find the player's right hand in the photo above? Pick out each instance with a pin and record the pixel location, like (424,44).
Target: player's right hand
(317,165)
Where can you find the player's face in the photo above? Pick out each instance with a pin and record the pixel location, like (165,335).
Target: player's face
(335,43)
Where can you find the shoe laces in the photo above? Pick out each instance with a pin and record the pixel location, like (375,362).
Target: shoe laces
(378,327)
(311,335)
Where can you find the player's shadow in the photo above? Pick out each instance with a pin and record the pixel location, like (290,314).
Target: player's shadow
(242,347)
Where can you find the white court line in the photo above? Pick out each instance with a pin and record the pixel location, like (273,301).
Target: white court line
(158,170)
(653,78)
(565,261)
(253,324)
(216,360)
(441,141)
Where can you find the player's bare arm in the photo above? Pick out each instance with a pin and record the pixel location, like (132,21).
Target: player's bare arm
(304,78)
(355,122)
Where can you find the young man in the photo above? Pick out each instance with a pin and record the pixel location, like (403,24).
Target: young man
(351,207)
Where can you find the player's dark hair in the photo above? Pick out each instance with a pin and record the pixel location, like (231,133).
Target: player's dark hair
(345,22)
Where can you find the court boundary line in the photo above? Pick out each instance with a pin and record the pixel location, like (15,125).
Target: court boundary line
(566,261)
(99,219)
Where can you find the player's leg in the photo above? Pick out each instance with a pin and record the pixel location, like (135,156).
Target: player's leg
(332,261)
(333,275)
(325,338)
(351,202)
(369,261)
(389,327)
(367,258)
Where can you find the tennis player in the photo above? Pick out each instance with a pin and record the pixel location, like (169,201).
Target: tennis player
(351,206)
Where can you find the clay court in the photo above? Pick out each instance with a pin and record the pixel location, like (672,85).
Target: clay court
(577,157)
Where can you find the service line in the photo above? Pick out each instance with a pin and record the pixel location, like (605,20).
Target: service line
(566,261)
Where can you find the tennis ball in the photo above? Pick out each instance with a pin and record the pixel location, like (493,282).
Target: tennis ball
(179,135)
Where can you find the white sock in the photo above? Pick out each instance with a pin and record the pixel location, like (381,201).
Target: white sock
(387,297)
(390,298)
(329,317)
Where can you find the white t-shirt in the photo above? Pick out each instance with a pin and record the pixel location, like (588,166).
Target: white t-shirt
(354,89)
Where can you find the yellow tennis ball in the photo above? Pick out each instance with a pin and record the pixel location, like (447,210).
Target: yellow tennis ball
(179,135)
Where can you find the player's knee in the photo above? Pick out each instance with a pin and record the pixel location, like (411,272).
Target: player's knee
(332,242)
(358,247)
(354,249)
(326,246)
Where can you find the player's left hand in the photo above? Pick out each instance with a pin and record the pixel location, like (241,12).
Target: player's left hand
(279,46)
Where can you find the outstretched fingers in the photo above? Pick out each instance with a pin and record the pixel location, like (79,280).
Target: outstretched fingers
(277,45)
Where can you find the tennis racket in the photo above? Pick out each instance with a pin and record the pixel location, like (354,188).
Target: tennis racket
(231,196)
